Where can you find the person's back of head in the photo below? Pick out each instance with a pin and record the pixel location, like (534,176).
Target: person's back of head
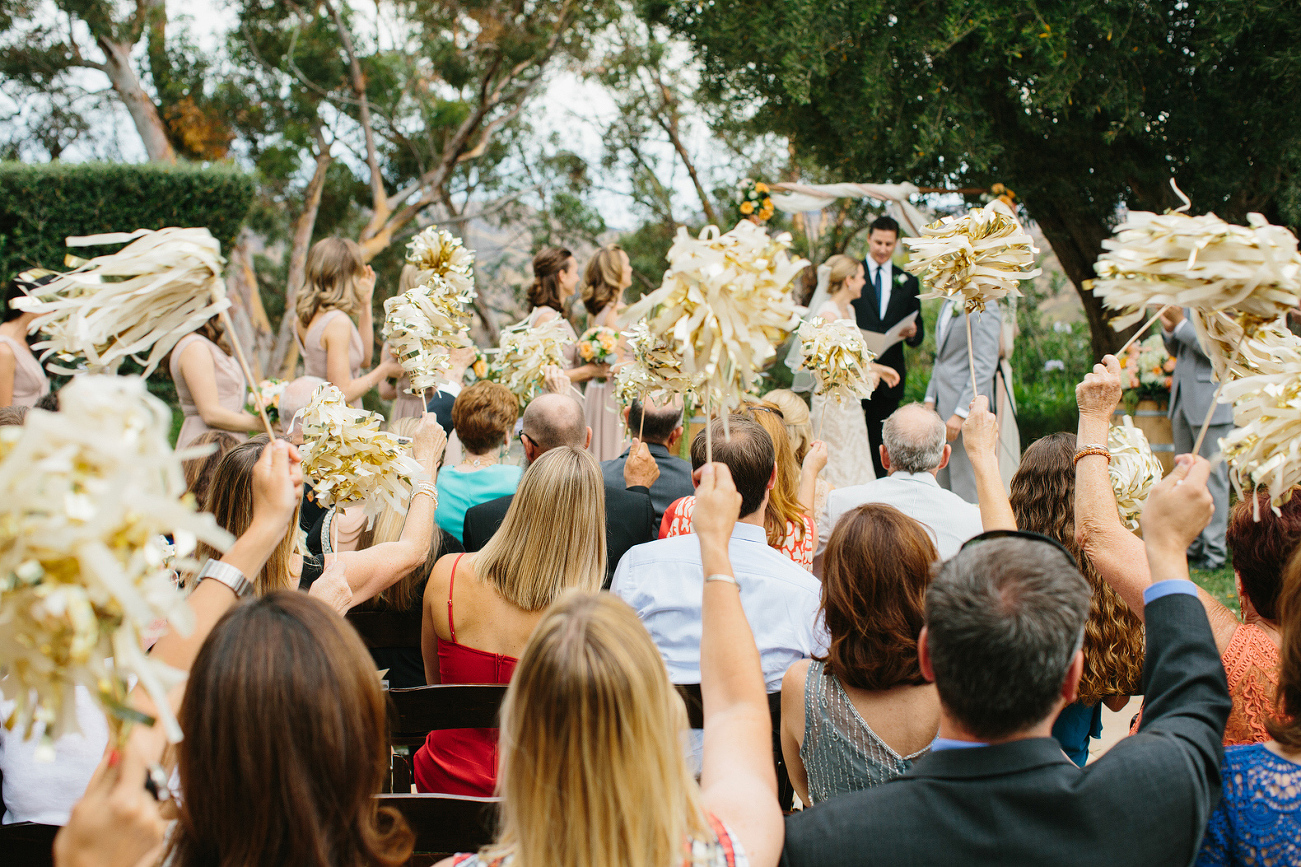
(230,502)
(285,744)
(591,720)
(553,536)
(545,290)
(795,413)
(1260,543)
(784,510)
(552,420)
(746,448)
(334,267)
(1004,620)
(1285,725)
(655,420)
(1043,501)
(13,416)
(874,578)
(483,415)
(914,439)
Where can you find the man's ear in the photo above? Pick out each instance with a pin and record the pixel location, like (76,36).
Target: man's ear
(944,459)
(1074,674)
(924,657)
(675,438)
(772,479)
(885,460)
(587,443)
(626,410)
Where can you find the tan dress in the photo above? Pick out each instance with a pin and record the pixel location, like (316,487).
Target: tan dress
(30,382)
(231,389)
(314,354)
(600,406)
(404,405)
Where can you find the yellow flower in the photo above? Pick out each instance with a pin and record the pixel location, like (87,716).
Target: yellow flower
(607,342)
(767,204)
(586,350)
(480,368)
(747,208)
(761,187)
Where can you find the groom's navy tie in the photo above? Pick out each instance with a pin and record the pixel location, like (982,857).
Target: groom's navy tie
(876,285)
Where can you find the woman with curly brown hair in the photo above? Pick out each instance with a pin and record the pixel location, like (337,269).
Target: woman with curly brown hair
(1043,501)
(862,714)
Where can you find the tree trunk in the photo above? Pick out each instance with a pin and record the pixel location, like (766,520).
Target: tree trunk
(247,313)
(284,355)
(144,114)
(1077,241)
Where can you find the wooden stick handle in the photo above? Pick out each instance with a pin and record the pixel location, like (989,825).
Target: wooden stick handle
(1215,401)
(1139,333)
(248,374)
(971,358)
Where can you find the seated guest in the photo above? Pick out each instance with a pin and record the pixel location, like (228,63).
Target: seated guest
(1005,622)
(913,450)
(1248,647)
(795,414)
(661,580)
(552,420)
(787,522)
(659,424)
(1258,820)
(483,416)
(480,609)
(281,698)
(198,471)
(862,714)
(590,719)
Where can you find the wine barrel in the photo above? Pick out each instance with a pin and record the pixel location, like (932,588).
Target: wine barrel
(1152,419)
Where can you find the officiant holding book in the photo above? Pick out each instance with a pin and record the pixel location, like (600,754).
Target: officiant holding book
(889,297)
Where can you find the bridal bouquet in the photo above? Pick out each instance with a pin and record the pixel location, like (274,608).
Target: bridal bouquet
(598,345)
(269,390)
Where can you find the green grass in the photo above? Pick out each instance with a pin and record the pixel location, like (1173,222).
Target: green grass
(1219,584)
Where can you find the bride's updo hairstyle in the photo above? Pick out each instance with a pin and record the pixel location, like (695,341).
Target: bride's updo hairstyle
(547,265)
(842,268)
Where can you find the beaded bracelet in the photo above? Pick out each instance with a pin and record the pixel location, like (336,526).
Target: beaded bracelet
(1092,449)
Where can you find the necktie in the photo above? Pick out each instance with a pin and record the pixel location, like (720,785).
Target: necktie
(876,284)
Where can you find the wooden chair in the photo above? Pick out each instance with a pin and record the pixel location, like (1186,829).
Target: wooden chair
(414,713)
(690,693)
(28,844)
(386,628)
(445,824)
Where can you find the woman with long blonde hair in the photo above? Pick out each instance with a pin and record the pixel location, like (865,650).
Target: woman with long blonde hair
(607,276)
(479,609)
(339,285)
(593,772)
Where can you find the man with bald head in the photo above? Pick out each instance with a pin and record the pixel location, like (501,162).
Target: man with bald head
(554,420)
(913,451)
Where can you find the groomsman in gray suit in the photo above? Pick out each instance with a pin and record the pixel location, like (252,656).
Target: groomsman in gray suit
(1191,394)
(949,391)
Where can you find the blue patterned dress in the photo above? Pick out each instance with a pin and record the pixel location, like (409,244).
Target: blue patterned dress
(1258,820)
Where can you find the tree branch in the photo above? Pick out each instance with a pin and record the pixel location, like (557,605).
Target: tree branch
(378,197)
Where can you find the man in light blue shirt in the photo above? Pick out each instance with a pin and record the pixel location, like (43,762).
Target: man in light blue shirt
(914,450)
(661,580)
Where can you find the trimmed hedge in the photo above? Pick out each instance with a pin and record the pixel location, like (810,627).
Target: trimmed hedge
(41,205)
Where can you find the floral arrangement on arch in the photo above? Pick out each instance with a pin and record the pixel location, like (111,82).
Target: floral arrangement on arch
(1148,368)
(755,201)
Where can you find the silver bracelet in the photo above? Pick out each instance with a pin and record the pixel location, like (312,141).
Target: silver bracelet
(426,488)
(224,573)
(719,576)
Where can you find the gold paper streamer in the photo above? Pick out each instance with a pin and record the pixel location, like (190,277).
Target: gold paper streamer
(838,358)
(1134,469)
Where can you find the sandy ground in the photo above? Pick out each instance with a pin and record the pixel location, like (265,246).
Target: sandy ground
(1115,725)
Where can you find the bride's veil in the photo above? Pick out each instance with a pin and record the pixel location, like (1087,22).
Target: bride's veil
(803,380)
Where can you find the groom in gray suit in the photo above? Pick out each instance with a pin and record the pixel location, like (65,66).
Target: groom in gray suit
(1191,393)
(949,391)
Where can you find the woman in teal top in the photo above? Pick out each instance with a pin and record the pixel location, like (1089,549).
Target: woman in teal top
(483,416)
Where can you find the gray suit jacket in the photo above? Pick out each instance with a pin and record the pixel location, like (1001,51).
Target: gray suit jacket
(1146,802)
(950,385)
(1194,383)
(673,483)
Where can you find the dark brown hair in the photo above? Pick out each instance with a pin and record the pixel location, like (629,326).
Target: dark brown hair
(285,744)
(1286,726)
(547,265)
(198,471)
(483,414)
(874,577)
(748,453)
(1043,501)
(1261,548)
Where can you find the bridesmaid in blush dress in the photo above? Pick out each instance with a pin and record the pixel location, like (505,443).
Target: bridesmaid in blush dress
(22,378)
(607,276)
(210,386)
(555,277)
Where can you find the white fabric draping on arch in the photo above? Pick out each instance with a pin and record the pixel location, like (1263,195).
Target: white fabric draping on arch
(795,198)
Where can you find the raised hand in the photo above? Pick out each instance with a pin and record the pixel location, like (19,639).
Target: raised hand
(640,469)
(277,485)
(980,430)
(1178,508)
(117,823)
(1099,394)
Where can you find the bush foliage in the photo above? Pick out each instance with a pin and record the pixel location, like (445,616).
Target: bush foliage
(41,205)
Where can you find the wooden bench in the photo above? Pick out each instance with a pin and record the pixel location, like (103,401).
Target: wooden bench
(414,713)
(690,693)
(445,824)
(28,844)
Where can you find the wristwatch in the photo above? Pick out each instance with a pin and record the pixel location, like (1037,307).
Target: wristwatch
(228,575)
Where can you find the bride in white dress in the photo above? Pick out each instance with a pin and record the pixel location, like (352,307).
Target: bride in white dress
(842,428)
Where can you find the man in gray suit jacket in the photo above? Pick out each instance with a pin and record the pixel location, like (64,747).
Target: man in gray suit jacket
(949,391)
(661,430)
(1191,394)
(1002,641)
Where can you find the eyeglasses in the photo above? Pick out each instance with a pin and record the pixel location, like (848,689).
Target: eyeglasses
(1019,534)
(523,436)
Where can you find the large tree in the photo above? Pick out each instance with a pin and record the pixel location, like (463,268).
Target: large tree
(1083,108)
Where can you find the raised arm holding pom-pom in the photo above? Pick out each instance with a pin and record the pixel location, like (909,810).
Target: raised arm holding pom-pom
(980,433)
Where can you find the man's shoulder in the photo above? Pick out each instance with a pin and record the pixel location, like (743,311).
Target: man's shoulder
(500,505)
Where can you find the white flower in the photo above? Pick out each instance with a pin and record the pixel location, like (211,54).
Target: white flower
(1062,327)
(1054,364)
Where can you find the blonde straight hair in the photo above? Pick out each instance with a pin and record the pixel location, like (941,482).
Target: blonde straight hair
(533,557)
(592,770)
(333,266)
(388,527)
